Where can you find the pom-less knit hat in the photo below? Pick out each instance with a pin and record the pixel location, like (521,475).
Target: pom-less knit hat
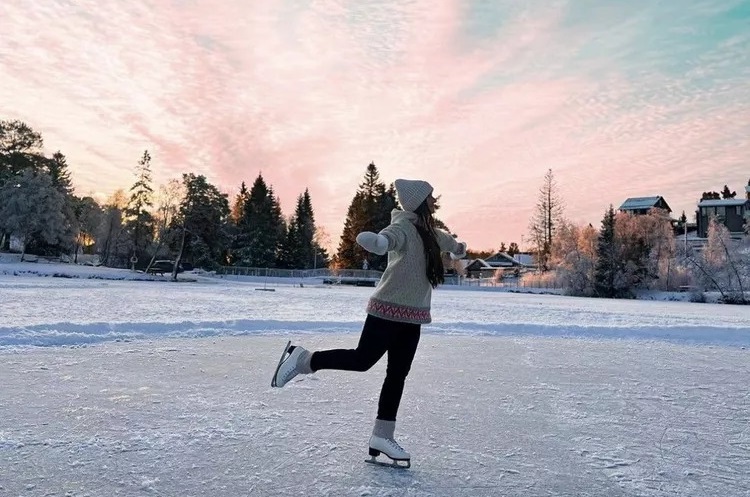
(412,192)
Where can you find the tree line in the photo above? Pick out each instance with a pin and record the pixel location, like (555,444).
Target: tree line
(192,221)
(188,219)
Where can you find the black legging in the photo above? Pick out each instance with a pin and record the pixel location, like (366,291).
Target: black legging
(378,336)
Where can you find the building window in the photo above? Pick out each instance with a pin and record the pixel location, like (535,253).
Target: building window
(738,210)
(721,211)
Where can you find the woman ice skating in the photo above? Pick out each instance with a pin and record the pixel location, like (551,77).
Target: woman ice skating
(395,311)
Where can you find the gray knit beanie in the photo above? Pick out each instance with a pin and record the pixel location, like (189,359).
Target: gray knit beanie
(412,192)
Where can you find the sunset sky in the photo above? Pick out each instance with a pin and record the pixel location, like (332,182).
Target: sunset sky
(619,98)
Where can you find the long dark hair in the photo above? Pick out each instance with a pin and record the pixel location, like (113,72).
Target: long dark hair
(426,229)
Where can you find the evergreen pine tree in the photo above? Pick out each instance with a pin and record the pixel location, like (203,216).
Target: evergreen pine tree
(278,226)
(370,210)
(261,230)
(605,272)
(289,256)
(349,254)
(238,208)
(305,218)
(237,227)
(57,168)
(140,222)
(204,214)
(300,248)
(513,249)
(726,193)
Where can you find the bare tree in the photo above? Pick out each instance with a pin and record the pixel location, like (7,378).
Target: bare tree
(168,201)
(548,214)
(112,246)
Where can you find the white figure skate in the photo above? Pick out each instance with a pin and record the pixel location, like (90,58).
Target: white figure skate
(389,447)
(287,367)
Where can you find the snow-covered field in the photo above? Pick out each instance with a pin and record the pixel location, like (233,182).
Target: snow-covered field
(155,388)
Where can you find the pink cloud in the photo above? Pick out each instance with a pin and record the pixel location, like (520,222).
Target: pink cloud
(310,97)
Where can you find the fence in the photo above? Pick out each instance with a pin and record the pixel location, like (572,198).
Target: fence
(364,275)
(525,283)
(298,273)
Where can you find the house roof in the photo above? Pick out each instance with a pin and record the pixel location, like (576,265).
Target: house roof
(525,259)
(637,203)
(483,264)
(726,202)
(501,258)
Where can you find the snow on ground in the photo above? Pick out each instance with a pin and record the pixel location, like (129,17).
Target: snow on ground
(120,388)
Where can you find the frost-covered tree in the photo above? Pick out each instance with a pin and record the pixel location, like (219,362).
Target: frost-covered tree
(20,148)
(88,214)
(647,248)
(57,169)
(722,266)
(659,236)
(573,257)
(30,206)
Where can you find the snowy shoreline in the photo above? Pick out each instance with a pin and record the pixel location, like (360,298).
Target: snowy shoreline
(104,304)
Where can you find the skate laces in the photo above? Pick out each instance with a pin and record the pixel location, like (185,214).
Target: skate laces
(290,373)
(394,444)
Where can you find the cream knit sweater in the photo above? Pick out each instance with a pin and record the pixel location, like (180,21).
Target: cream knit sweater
(404,293)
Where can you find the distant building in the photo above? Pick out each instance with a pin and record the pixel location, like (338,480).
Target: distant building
(731,212)
(490,267)
(642,205)
(525,259)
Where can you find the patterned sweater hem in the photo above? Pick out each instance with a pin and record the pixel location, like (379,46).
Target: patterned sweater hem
(398,312)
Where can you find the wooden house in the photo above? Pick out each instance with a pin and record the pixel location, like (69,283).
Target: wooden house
(492,266)
(731,212)
(642,205)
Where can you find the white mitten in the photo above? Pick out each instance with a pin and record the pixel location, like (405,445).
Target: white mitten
(373,242)
(461,253)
